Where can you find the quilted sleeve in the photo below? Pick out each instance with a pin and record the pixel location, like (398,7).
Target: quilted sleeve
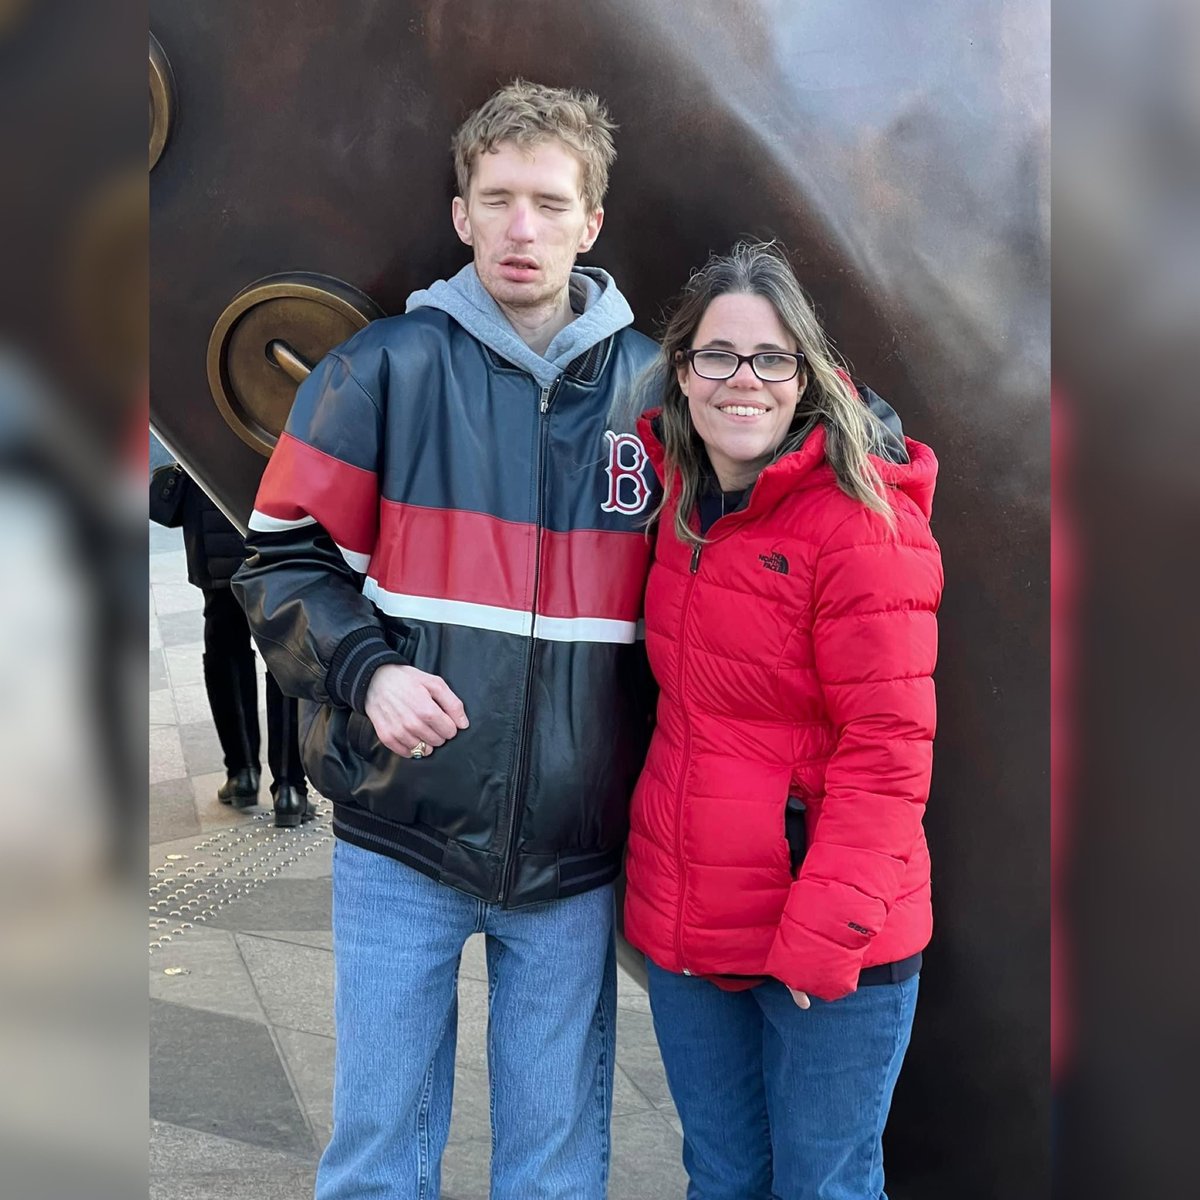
(875,645)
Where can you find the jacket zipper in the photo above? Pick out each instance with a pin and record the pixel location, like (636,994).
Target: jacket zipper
(516,806)
(693,571)
(680,867)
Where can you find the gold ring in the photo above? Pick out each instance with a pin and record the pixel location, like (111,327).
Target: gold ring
(419,750)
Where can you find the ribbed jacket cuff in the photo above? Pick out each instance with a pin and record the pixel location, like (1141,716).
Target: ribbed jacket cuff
(359,656)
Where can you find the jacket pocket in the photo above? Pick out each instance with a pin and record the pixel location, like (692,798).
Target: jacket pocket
(361,734)
(794,831)
(324,751)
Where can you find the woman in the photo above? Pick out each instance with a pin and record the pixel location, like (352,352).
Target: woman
(778,878)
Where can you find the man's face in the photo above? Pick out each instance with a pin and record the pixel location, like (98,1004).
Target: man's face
(525,219)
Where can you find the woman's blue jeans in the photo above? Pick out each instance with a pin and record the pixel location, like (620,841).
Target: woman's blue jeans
(398,937)
(778,1102)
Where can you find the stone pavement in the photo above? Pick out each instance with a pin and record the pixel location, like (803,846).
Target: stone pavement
(241,975)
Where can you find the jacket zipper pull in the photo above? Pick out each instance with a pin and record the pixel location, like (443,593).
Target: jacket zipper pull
(696,557)
(544,403)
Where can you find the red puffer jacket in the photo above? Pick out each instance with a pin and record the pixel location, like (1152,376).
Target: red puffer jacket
(794,654)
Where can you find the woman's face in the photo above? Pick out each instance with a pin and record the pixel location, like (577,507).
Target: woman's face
(741,420)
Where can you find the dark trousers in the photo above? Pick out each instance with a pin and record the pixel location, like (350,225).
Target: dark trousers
(230,679)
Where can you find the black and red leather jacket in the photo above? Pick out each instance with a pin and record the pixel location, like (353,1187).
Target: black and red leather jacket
(429,503)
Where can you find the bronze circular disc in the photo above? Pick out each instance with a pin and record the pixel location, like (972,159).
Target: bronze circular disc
(308,314)
(162,100)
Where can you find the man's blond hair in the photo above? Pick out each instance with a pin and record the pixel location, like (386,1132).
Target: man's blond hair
(529,113)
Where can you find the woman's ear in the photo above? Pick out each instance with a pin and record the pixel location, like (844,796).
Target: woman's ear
(681,371)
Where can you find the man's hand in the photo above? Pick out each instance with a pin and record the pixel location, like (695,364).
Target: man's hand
(407,707)
(801,998)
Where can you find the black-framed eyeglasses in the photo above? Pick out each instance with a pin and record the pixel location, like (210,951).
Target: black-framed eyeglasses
(771,366)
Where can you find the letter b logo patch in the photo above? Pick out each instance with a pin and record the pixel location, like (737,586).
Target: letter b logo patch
(627,487)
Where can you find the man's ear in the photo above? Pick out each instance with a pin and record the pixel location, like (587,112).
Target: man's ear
(591,231)
(462,223)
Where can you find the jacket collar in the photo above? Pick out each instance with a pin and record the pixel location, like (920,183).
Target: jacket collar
(602,312)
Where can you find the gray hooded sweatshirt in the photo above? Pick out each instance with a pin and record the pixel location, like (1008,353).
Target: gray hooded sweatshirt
(602,311)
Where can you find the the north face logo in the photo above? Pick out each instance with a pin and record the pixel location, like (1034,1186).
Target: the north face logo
(774,562)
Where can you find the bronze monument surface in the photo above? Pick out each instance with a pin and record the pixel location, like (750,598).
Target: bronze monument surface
(899,150)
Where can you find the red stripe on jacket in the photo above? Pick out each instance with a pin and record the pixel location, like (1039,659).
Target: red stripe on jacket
(594,573)
(453,554)
(301,481)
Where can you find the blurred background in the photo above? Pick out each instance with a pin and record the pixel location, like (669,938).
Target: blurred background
(73,327)
(1126,649)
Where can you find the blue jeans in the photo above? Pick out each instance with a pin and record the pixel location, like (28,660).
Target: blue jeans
(778,1102)
(551,1036)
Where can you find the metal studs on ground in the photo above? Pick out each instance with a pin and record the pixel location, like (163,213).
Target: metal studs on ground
(185,892)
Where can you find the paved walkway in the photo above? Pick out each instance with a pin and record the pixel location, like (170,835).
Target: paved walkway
(241,975)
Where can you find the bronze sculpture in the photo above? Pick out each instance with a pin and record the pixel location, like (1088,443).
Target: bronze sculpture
(900,152)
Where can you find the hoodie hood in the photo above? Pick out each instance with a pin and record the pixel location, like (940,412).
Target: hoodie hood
(916,478)
(601,311)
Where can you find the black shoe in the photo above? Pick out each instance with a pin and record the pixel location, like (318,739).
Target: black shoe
(291,805)
(240,790)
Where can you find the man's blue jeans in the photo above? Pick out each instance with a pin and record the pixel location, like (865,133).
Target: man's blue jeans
(778,1102)
(551,1036)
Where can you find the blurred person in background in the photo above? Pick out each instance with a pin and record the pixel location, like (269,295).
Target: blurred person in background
(778,876)
(215,550)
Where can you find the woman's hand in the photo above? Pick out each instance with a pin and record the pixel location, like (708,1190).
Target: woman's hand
(801,998)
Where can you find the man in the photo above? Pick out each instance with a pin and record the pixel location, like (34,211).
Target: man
(448,561)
